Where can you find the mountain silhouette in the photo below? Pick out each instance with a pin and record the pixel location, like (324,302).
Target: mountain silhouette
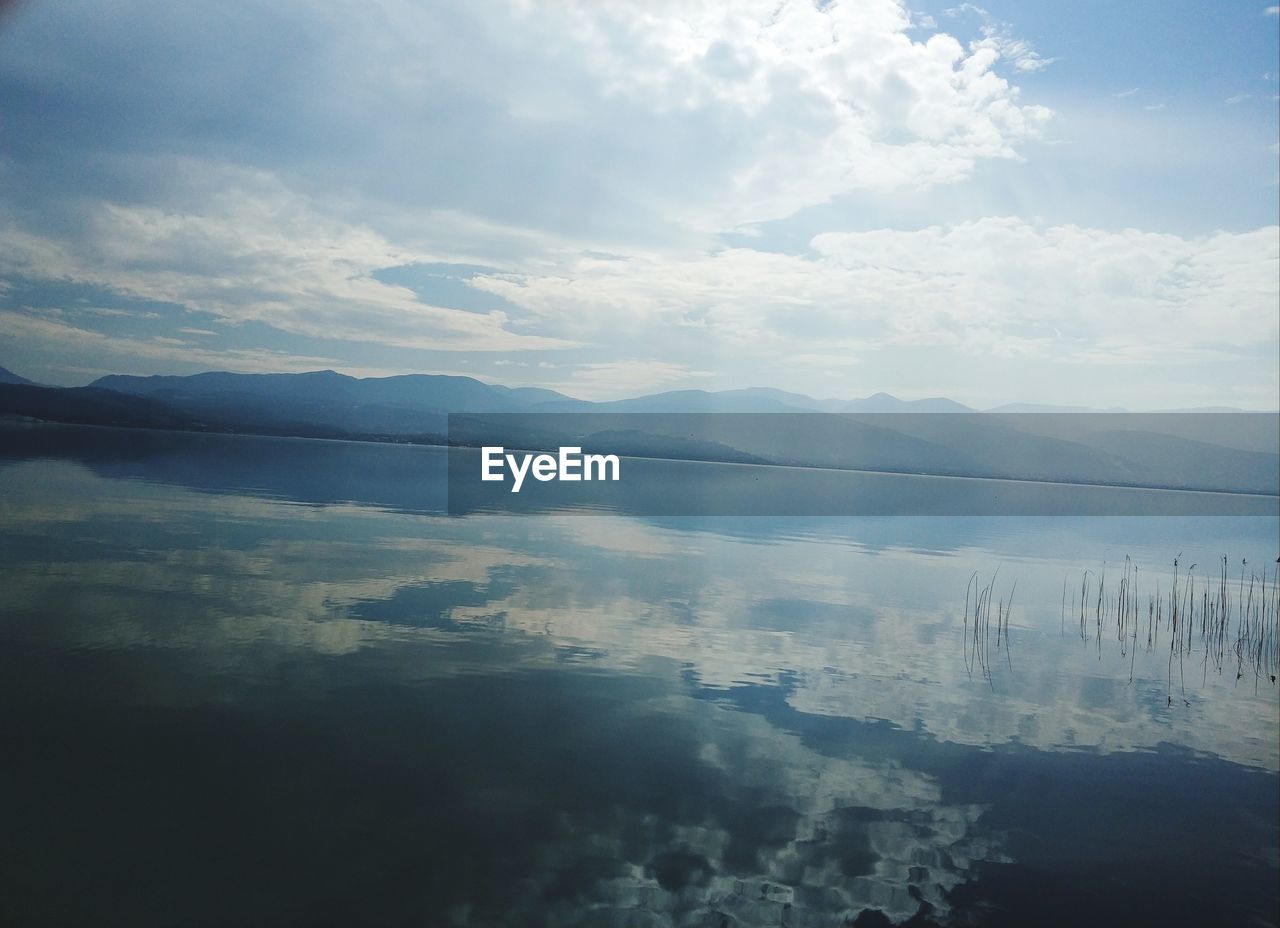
(759,425)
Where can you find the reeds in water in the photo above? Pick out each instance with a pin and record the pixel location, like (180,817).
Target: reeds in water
(1227,625)
(977,603)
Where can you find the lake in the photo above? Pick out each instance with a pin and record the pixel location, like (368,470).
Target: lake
(261,681)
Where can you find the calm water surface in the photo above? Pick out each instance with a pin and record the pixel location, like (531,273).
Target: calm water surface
(268,682)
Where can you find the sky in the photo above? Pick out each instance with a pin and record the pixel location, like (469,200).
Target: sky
(1030,202)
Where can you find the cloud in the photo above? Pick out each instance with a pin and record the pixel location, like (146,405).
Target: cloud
(45,334)
(268,166)
(998,36)
(270,181)
(1271,11)
(849,101)
(256,251)
(617,119)
(1017,52)
(999,286)
(966,8)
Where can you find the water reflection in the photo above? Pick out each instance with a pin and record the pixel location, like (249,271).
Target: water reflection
(280,706)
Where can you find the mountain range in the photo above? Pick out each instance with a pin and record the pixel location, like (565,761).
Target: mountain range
(1200,450)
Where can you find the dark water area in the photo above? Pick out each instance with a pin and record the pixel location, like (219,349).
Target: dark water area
(267,682)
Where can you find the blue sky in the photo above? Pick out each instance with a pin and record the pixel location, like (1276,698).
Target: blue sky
(1006,202)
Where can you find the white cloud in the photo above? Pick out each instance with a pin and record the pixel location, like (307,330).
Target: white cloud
(996,286)
(649,117)
(1017,52)
(1271,11)
(999,37)
(805,103)
(593,154)
(255,251)
(503,136)
(50,334)
(966,8)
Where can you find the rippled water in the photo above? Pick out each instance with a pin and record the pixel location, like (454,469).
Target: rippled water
(269,682)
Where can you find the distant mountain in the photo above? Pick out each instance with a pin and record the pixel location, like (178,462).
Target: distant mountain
(791,400)
(684,401)
(535,397)
(7,376)
(942,437)
(883,402)
(437,392)
(763,399)
(404,406)
(88,406)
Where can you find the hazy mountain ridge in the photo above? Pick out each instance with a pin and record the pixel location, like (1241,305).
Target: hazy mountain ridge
(326,394)
(1237,453)
(8,376)
(454,393)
